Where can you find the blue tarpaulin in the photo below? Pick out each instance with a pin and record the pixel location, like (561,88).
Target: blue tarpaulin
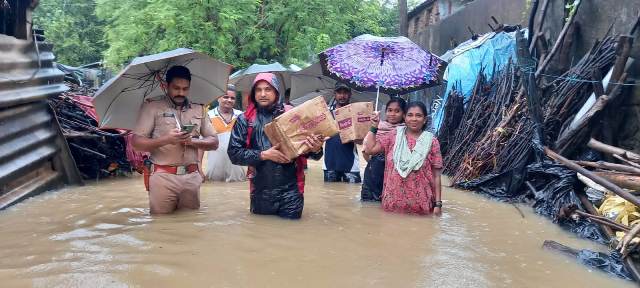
(491,50)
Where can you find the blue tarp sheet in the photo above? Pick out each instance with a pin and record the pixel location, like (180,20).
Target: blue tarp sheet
(466,60)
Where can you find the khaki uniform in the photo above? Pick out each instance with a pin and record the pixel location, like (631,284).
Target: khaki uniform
(168,192)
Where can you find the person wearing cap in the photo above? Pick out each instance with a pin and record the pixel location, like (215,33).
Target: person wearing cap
(175,179)
(218,165)
(341,160)
(276,183)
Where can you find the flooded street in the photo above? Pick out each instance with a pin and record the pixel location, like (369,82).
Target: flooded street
(102,236)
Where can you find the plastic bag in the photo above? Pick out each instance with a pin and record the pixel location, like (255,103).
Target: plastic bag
(609,263)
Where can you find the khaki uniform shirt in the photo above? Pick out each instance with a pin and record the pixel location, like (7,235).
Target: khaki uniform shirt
(157,119)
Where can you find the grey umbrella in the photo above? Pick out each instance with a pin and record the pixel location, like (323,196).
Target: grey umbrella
(243,79)
(309,83)
(119,100)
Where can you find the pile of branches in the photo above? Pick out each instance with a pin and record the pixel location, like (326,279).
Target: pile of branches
(525,112)
(494,133)
(98,153)
(453,113)
(564,96)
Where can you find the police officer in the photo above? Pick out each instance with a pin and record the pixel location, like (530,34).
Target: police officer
(175,179)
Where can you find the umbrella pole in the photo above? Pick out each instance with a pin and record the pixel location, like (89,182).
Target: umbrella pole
(377,98)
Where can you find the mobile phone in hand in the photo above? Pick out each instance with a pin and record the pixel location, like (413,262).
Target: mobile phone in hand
(187,128)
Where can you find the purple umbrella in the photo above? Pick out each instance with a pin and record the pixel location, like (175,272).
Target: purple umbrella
(393,65)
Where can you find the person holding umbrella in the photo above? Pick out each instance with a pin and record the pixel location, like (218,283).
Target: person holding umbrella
(341,161)
(168,127)
(276,183)
(413,164)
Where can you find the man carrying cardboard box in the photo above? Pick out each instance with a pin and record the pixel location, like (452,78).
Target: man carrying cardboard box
(276,183)
(341,160)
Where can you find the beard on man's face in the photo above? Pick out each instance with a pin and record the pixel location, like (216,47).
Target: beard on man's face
(179,98)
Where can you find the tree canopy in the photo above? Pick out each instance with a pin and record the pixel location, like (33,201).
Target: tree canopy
(73,27)
(239,32)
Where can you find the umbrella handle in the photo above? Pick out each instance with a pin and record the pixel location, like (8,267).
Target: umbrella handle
(377,98)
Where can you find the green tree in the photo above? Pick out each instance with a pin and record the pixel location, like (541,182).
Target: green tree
(77,34)
(239,32)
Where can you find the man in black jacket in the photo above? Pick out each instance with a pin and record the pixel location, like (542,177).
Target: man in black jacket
(276,183)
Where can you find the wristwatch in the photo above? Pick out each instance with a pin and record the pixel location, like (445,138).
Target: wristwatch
(437,204)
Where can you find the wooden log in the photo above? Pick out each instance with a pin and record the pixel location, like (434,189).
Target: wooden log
(635,25)
(558,42)
(610,166)
(622,159)
(568,139)
(626,181)
(562,62)
(604,182)
(623,50)
(632,268)
(555,246)
(605,148)
(604,221)
(592,211)
(532,20)
(537,33)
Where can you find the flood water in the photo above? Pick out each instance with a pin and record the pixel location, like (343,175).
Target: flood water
(102,236)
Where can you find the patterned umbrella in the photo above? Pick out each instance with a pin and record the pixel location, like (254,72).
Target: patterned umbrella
(393,65)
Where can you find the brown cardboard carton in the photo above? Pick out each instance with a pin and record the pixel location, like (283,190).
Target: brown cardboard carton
(354,121)
(292,127)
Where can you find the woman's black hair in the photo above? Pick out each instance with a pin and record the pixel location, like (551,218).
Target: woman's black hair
(401,103)
(422,107)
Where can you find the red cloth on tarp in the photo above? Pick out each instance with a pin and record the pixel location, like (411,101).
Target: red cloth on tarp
(134,157)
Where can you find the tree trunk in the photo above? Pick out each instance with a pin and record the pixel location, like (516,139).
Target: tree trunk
(404,20)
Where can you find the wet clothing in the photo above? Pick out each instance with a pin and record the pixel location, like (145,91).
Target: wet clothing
(276,189)
(168,192)
(347,177)
(219,166)
(373,181)
(414,193)
(341,161)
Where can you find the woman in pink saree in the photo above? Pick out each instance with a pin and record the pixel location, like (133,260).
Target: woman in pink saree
(413,164)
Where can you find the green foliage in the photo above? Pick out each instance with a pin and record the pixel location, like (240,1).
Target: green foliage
(74,28)
(239,32)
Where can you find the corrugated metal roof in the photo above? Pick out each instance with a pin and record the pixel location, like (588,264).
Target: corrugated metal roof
(34,156)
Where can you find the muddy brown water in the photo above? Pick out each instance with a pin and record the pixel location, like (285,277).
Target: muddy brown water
(101,235)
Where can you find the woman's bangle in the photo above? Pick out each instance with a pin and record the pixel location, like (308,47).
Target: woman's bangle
(374,130)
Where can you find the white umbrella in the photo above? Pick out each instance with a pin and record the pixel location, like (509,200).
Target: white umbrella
(119,100)
(243,79)
(309,83)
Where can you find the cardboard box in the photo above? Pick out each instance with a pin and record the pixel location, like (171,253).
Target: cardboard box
(292,127)
(354,121)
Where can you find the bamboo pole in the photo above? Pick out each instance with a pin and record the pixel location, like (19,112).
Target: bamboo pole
(604,182)
(610,166)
